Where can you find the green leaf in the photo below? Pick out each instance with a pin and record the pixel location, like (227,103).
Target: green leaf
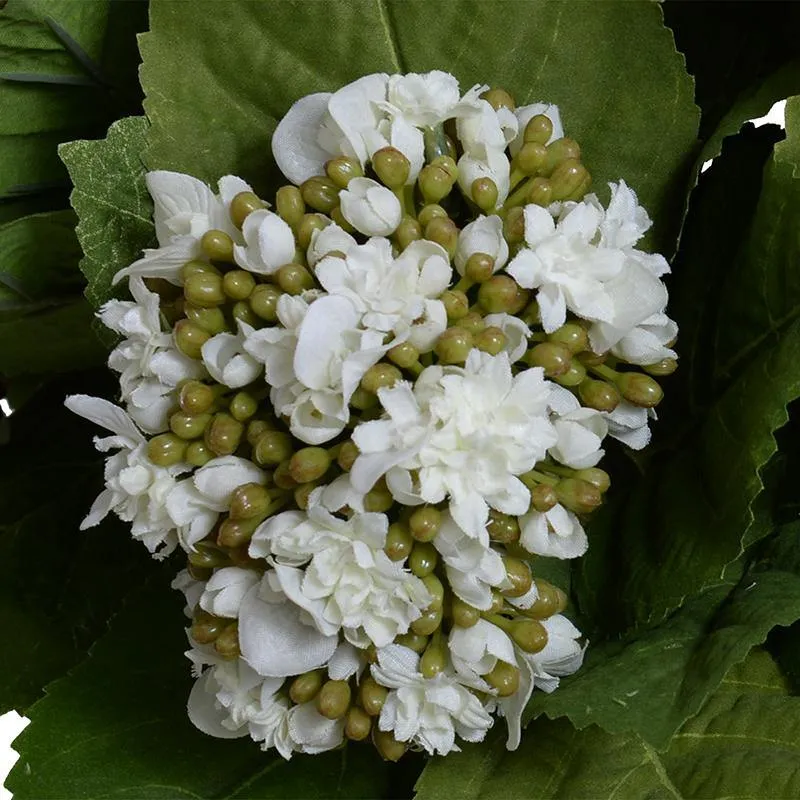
(745,743)
(630,107)
(112,202)
(117,727)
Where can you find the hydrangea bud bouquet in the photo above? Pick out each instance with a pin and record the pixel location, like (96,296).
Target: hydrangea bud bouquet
(388,344)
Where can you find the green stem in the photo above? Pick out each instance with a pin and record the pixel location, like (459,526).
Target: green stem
(464,285)
(532,478)
(555,469)
(604,371)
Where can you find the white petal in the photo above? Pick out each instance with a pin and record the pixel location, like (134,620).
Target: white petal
(294,143)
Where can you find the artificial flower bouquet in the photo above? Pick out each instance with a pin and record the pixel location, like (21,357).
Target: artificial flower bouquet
(370,410)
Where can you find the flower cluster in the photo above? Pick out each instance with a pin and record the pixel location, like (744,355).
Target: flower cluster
(362,411)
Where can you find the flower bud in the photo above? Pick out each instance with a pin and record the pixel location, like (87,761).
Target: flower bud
(479,267)
(529,634)
(484,194)
(409,230)
(238,284)
(348,453)
(199,573)
(473,323)
(399,542)
(166,450)
(504,678)
(294,279)
(519,575)
(304,688)
(456,304)
(464,615)
(413,641)
(391,166)
(195,397)
(574,376)
(530,158)
(282,478)
(540,192)
(433,661)
(306,227)
(206,554)
(551,600)
(241,311)
(554,358)
(204,289)
(491,340)
(188,426)
(378,499)
(244,204)
(342,170)
(227,643)
(337,216)
(211,320)
(357,724)
(372,696)
(289,205)
(243,406)
(218,246)
(195,266)
(198,454)
(388,747)
(264,301)
(498,98)
(502,293)
(436,589)
(424,523)
(272,447)
(302,494)
(234,533)
(361,399)
(423,560)
(206,627)
(600,395)
(309,463)
(664,367)
(453,346)
(639,389)
(558,151)
(370,207)
(543,498)
(248,501)
(430,212)
(444,232)
(538,130)
(405,355)
(435,182)
(578,496)
(569,176)
(333,699)
(429,622)
(321,194)
(514,225)
(572,335)
(224,434)
(503,528)
(379,376)
(597,477)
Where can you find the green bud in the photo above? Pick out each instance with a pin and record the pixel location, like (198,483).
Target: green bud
(306,227)
(378,499)
(572,335)
(504,678)
(391,166)
(599,478)
(590,359)
(436,589)
(304,688)
(195,266)
(501,293)
(206,627)
(424,523)
(664,367)
(639,389)
(423,560)
(388,747)
(264,301)
(371,696)
(484,194)
(380,376)
(357,724)
(212,320)
(199,573)
(497,98)
(479,267)
(333,699)
(243,406)
(188,426)
(227,643)
(574,376)
(361,399)
(429,622)
(430,212)
(208,555)
(543,498)
(218,246)
(342,170)
(309,464)
(529,634)
(294,279)
(464,615)
(248,501)
(453,346)
(433,661)
(456,304)
(398,542)
(166,450)
(235,533)
(238,284)
(413,641)
(321,194)
(195,397)
(569,176)
(242,205)
(282,478)
(254,430)
(553,357)
(289,205)
(204,289)
(302,494)
(338,217)
(514,225)
(530,158)
(551,600)
(558,151)
(435,182)
(224,434)
(444,232)
(502,528)
(405,355)
(491,340)
(272,447)
(538,130)
(348,453)
(473,323)
(540,192)
(409,230)
(241,310)
(600,395)
(519,574)
(578,496)
(198,454)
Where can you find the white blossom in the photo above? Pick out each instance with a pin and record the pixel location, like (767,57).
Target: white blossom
(330,239)
(476,650)
(191,589)
(482,235)
(428,712)
(268,243)
(580,433)
(227,361)
(370,207)
(224,591)
(629,424)
(556,533)
(515,330)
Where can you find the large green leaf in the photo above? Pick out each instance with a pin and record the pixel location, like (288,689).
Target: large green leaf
(745,743)
(113,205)
(630,107)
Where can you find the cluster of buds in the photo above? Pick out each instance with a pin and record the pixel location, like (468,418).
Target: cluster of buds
(362,453)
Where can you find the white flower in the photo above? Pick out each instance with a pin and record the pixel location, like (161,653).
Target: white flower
(556,533)
(227,361)
(580,434)
(525,114)
(224,591)
(629,424)
(349,582)
(423,100)
(136,489)
(516,332)
(330,239)
(195,504)
(466,433)
(185,209)
(483,235)
(370,207)
(393,294)
(647,343)
(428,712)
(475,651)
(269,243)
